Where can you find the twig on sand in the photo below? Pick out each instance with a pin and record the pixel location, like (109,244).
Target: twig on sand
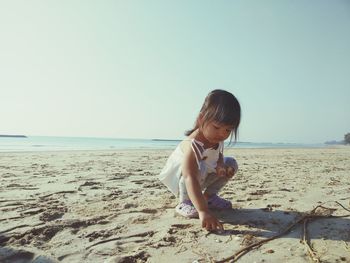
(202,254)
(306,242)
(342,206)
(346,246)
(246,249)
(313,214)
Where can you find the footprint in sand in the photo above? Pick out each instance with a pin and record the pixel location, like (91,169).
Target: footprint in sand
(53,213)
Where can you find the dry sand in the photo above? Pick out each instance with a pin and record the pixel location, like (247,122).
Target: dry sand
(108,206)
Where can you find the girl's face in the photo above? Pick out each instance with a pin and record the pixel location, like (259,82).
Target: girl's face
(215,132)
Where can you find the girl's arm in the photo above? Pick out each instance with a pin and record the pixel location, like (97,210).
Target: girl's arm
(190,173)
(221,158)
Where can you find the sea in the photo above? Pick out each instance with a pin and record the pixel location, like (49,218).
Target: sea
(51,143)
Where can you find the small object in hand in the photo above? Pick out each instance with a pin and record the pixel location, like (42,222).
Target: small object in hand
(230,171)
(221,171)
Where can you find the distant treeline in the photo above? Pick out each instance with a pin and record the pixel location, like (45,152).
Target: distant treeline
(347,138)
(345,141)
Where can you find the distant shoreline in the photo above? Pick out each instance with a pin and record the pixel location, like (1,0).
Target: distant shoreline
(17,143)
(166,140)
(12,136)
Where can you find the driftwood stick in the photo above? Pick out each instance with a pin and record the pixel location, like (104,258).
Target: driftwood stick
(244,250)
(342,206)
(310,215)
(306,242)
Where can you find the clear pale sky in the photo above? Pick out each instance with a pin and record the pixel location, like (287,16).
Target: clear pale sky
(141,69)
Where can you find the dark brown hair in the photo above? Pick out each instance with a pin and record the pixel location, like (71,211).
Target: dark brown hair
(222,107)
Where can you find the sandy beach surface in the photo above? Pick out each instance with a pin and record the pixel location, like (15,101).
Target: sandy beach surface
(108,206)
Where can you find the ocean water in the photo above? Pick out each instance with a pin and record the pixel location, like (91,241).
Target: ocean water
(48,143)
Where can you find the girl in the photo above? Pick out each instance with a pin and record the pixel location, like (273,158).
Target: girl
(197,169)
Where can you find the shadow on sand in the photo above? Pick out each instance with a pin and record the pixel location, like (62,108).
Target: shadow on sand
(267,223)
(17,255)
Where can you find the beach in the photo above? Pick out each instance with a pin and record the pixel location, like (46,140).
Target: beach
(109,206)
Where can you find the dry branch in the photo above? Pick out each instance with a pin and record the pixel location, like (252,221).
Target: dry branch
(313,214)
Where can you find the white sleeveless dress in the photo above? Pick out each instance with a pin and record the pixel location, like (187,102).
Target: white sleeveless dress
(206,161)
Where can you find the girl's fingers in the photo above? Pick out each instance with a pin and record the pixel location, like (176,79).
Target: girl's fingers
(209,226)
(221,227)
(230,171)
(216,226)
(221,171)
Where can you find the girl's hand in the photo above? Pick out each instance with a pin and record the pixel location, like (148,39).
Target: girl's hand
(209,222)
(225,170)
(230,171)
(221,170)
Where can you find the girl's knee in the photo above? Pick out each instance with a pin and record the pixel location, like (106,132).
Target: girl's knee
(230,161)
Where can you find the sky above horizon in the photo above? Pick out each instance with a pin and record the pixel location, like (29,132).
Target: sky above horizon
(141,69)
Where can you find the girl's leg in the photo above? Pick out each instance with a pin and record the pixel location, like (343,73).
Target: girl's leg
(182,190)
(215,184)
(230,161)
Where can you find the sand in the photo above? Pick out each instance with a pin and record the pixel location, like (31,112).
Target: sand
(108,206)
